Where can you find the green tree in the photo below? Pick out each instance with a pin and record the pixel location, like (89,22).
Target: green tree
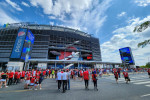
(147,65)
(141,28)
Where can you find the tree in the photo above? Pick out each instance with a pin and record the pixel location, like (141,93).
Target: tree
(141,28)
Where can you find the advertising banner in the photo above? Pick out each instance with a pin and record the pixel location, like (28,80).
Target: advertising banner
(29,41)
(126,56)
(17,50)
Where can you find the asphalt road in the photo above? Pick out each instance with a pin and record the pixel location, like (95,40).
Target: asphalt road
(137,89)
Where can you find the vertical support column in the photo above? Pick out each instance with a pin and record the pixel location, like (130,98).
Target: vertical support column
(55,65)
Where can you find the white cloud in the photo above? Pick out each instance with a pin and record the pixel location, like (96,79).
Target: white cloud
(83,14)
(121,14)
(14,5)
(125,37)
(45,4)
(52,17)
(4,18)
(51,23)
(25,4)
(142,3)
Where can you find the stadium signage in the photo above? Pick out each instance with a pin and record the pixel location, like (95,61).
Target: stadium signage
(17,50)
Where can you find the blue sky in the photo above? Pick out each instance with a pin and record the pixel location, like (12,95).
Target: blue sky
(112,21)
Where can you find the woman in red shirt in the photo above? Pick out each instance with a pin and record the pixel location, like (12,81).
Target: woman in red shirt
(94,78)
(116,77)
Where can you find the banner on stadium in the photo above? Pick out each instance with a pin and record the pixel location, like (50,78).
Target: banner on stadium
(17,50)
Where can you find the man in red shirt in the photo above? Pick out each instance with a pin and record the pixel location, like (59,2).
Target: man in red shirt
(10,76)
(15,77)
(86,78)
(116,76)
(126,77)
(22,75)
(149,72)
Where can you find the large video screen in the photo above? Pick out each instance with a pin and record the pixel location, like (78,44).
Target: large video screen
(126,55)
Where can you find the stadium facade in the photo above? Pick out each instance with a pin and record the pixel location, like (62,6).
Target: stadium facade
(50,42)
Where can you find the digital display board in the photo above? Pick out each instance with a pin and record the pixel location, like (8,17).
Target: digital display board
(29,41)
(126,56)
(17,50)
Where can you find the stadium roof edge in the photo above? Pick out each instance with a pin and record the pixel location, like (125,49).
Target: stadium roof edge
(45,27)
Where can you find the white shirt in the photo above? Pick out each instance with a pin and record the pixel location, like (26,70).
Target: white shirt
(64,75)
(68,73)
(59,74)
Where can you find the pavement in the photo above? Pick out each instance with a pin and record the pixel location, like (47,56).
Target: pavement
(137,89)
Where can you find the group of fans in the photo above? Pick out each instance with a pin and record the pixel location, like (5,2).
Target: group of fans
(33,78)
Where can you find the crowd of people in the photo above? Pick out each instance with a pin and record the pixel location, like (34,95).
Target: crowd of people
(33,78)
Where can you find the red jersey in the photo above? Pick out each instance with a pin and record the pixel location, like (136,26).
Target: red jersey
(11,74)
(49,71)
(125,74)
(94,77)
(81,73)
(16,74)
(28,76)
(148,71)
(32,80)
(44,72)
(23,74)
(116,74)
(86,75)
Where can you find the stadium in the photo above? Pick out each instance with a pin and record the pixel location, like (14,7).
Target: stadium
(50,43)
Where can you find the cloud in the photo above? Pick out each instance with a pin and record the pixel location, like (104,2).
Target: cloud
(142,3)
(14,5)
(125,37)
(82,14)
(121,14)
(25,4)
(51,23)
(45,4)
(5,18)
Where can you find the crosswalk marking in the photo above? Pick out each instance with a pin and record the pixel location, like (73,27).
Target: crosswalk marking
(142,82)
(137,80)
(147,85)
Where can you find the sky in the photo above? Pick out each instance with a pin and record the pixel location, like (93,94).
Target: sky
(112,21)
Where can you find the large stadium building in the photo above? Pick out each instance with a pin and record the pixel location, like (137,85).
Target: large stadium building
(50,43)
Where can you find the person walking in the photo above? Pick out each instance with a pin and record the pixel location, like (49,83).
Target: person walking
(64,78)
(53,72)
(10,76)
(116,76)
(126,76)
(68,81)
(3,79)
(149,72)
(86,78)
(59,76)
(118,72)
(94,78)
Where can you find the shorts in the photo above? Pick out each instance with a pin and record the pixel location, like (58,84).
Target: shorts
(27,81)
(116,78)
(35,84)
(22,78)
(31,84)
(3,80)
(40,81)
(126,77)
